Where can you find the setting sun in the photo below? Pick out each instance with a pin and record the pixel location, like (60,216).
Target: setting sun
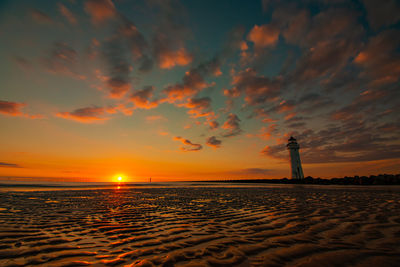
(118,178)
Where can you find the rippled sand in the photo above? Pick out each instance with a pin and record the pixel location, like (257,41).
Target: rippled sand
(265,226)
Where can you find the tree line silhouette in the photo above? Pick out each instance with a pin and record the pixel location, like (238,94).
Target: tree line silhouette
(380,179)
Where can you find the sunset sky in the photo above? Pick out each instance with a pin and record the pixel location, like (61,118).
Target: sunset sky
(197,90)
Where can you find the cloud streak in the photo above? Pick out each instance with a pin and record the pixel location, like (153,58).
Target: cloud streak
(63,59)
(256,88)
(232,126)
(9,165)
(11,108)
(67,14)
(142,98)
(213,142)
(100,10)
(169,39)
(188,146)
(92,114)
(192,83)
(263,36)
(41,17)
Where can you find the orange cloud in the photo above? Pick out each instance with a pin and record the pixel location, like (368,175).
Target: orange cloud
(118,87)
(14,109)
(285,106)
(142,98)
(41,17)
(263,36)
(258,89)
(11,108)
(213,124)
(380,59)
(341,115)
(213,142)
(361,58)
(243,46)
(67,13)
(189,146)
(37,116)
(290,115)
(85,115)
(193,83)
(356,107)
(275,152)
(155,118)
(232,125)
(100,10)
(163,133)
(199,107)
(121,108)
(266,133)
(169,59)
(297,26)
(63,59)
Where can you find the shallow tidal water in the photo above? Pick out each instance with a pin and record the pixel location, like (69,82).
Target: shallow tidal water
(258,225)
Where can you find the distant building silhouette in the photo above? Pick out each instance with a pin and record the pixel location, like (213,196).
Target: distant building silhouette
(293,147)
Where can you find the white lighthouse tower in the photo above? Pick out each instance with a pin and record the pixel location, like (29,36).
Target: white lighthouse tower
(293,147)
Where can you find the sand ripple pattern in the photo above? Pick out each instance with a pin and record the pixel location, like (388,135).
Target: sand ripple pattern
(265,226)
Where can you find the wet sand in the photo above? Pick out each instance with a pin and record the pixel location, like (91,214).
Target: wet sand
(198,226)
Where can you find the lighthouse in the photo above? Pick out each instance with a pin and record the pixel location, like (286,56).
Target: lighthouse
(293,147)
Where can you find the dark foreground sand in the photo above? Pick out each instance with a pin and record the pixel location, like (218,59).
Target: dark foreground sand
(265,226)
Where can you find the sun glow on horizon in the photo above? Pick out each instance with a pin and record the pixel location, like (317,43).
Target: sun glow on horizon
(119,178)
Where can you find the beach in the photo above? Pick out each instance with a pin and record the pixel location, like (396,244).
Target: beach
(202,225)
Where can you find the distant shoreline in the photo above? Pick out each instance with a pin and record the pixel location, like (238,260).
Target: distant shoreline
(381,179)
